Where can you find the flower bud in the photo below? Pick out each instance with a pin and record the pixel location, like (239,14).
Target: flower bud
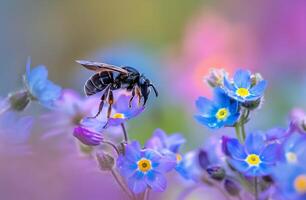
(256,78)
(105,161)
(232,187)
(203,159)
(216,172)
(87,137)
(216,77)
(298,120)
(19,100)
(252,105)
(85,149)
(121,148)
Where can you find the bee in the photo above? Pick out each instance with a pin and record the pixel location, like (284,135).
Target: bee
(110,77)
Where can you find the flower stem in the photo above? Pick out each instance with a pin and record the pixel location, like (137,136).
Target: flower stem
(256,188)
(126,139)
(243,132)
(147,194)
(237,129)
(122,185)
(112,145)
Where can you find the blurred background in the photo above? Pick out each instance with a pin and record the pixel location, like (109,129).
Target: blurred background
(175,43)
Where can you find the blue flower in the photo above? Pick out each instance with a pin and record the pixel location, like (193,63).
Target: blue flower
(124,111)
(143,168)
(242,88)
(169,146)
(39,87)
(292,183)
(220,112)
(291,180)
(292,150)
(254,158)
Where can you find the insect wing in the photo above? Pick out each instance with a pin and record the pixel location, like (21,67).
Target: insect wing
(101,67)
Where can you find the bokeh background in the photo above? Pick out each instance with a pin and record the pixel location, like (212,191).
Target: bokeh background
(175,43)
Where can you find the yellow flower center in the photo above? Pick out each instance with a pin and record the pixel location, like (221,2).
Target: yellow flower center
(178,158)
(144,165)
(222,114)
(291,157)
(118,116)
(300,183)
(243,92)
(253,160)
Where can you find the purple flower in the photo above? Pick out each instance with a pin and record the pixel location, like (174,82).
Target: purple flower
(169,146)
(87,137)
(123,110)
(70,109)
(278,135)
(242,89)
(143,168)
(254,158)
(160,141)
(15,132)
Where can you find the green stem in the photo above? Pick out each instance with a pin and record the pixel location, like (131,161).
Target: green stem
(237,129)
(243,132)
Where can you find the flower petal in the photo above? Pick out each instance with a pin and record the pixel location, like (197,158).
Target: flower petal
(259,88)
(132,151)
(235,149)
(269,154)
(221,98)
(210,122)
(241,166)
(37,77)
(174,142)
(232,119)
(253,171)
(255,143)
(205,106)
(166,163)
(242,79)
(156,181)
(137,183)
(126,167)
(228,86)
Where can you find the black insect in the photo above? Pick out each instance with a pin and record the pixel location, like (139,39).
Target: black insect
(109,77)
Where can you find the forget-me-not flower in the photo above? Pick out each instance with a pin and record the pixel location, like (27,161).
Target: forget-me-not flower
(242,88)
(254,158)
(143,168)
(169,145)
(39,86)
(220,112)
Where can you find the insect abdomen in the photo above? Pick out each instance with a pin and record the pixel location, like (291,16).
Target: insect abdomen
(97,83)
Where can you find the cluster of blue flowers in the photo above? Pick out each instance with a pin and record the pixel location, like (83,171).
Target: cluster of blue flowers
(258,159)
(257,164)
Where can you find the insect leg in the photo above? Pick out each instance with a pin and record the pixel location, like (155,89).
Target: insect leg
(139,94)
(133,95)
(110,102)
(103,97)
